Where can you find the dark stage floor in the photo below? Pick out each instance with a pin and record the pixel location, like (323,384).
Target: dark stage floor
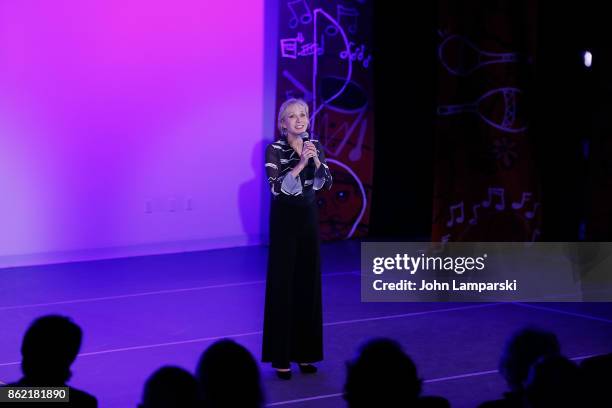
(140,313)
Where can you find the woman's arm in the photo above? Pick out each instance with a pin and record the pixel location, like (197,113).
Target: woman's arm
(287,183)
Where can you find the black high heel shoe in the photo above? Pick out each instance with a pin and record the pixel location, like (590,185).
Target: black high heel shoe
(283,375)
(307,368)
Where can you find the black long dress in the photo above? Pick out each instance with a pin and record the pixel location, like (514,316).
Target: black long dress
(293,322)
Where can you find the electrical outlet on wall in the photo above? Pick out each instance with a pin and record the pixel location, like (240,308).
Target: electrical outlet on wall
(169,204)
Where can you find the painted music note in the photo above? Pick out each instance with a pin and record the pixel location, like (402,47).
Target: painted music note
(311,48)
(344,13)
(461,57)
(474,219)
(358,54)
(526,197)
(532,213)
(498,98)
(289,46)
(458,219)
(300,11)
(534,236)
(436,249)
(495,191)
(355,153)
(348,53)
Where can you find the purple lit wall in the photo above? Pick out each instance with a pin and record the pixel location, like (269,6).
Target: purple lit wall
(131,126)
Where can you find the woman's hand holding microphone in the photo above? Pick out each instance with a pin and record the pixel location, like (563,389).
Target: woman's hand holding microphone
(309,151)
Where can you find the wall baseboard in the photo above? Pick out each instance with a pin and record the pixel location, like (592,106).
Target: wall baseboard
(156,248)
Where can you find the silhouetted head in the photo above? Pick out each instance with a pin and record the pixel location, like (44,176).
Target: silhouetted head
(596,372)
(381,375)
(553,381)
(523,349)
(170,387)
(49,348)
(229,376)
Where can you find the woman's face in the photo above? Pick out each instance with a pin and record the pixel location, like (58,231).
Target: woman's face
(296,120)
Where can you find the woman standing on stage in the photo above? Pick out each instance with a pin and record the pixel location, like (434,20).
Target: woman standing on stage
(296,168)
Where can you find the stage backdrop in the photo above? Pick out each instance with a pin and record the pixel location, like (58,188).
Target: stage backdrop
(486,184)
(326,58)
(132,126)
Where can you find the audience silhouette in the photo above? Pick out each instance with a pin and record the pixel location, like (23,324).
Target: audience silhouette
(383,375)
(228,376)
(522,349)
(170,387)
(49,347)
(596,373)
(553,382)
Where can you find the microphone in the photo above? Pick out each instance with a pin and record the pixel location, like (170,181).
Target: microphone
(306,138)
(310,166)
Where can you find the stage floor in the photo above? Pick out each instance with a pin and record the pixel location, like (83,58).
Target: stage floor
(140,313)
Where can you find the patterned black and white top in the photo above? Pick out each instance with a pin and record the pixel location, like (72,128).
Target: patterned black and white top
(281,159)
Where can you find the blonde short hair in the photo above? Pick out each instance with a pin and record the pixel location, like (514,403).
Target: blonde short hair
(283,109)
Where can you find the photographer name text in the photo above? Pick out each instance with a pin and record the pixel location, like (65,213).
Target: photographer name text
(436,286)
